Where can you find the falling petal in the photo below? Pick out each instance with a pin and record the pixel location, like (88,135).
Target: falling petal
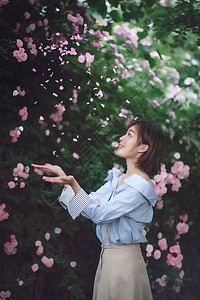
(15,93)
(75,155)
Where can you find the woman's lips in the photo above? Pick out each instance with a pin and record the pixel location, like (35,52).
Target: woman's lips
(120,146)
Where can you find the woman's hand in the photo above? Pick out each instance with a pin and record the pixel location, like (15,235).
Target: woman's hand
(61,177)
(50,169)
(66,180)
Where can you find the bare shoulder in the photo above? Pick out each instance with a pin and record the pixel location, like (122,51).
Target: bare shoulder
(148,180)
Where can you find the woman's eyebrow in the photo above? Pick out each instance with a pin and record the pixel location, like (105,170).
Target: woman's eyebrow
(132,130)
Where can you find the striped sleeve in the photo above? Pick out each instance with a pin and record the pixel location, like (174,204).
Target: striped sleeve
(65,197)
(78,203)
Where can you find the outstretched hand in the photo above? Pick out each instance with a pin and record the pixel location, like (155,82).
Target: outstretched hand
(61,177)
(50,169)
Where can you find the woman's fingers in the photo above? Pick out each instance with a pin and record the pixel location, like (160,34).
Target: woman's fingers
(37,166)
(47,168)
(59,180)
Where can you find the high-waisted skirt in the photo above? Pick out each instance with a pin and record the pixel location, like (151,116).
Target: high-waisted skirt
(121,274)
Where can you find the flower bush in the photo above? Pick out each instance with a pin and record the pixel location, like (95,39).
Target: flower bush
(70,88)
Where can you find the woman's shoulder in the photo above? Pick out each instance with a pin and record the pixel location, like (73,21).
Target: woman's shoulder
(143,186)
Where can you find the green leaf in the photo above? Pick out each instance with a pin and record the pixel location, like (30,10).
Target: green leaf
(114,2)
(116,15)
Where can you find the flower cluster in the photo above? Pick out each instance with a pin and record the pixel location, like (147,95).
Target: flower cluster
(20,173)
(20,54)
(57,116)
(30,45)
(174,257)
(15,134)
(87,57)
(178,172)
(3,214)
(40,249)
(4,295)
(175,261)
(162,281)
(3,2)
(10,247)
(23,113)
(19,92)
(130,35)
(48,262)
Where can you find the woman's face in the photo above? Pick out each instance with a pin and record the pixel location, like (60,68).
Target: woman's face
(128,146)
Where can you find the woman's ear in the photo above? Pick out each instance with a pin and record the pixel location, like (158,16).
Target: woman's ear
(143,148)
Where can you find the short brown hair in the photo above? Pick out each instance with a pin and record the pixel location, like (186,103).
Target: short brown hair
(149,134)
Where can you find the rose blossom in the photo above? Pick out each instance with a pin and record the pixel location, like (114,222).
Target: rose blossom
(157,254)
(57,230)
(162,243)
(47,236)
(73,264)
(34,267)
(182,227)
(48,262)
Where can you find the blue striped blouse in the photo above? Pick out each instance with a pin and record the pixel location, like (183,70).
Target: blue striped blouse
(120,213)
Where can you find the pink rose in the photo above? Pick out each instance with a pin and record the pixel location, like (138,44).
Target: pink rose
(81,58)
(40,250)
(47,236)
(175,249)
(3,214)
(19,43)
(38,243)
(162,281)
(48,262)
(73,264)
(183,218)
(89,59)
(162,243)
(39,23)
(157,254)
(182,228)
(149,249)
(9,248)
(22,185)
(3,2)
(34,267)
(27,15)
(57,230)
(177,155)
(11,184)
(15,134)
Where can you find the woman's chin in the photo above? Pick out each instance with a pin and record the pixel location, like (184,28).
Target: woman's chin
(117,152)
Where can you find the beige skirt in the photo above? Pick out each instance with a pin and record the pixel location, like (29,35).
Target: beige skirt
(121,274)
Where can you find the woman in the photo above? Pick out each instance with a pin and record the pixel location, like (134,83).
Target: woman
(120,208)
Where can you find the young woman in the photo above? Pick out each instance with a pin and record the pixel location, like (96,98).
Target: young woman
(120,208)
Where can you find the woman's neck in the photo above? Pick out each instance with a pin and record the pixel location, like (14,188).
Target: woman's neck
(133,169)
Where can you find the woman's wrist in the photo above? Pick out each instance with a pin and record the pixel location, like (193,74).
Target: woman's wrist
(75,186)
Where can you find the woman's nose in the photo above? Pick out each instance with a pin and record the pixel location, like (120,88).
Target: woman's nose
(121,138)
